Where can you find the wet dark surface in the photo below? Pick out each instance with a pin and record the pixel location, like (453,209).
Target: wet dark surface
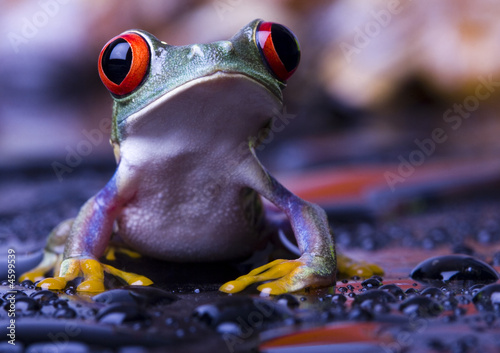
(452,303)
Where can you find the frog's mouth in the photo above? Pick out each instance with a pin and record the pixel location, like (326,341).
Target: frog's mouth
(210,102)
(272,89)
(209,80)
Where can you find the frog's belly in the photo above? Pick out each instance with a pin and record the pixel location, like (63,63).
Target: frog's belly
(200,229)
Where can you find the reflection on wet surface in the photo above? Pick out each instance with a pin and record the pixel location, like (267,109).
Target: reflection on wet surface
(452,302)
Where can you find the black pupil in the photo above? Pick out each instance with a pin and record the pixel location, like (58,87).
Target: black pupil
(286,46)
(117,60)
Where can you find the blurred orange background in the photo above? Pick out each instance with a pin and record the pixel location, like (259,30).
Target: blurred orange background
(374,76)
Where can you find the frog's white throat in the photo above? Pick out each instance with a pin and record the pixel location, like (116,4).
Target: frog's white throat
(222,110)
(188,154)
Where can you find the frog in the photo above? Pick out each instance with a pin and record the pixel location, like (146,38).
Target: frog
(188,185)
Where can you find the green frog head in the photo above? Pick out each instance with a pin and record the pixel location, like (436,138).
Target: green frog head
(139,69)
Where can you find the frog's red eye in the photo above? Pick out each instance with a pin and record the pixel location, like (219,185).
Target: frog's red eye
(124,63)
(279,47)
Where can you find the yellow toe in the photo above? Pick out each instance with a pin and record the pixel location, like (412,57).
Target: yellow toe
(33,276)
(91,285)
(55,283)
(138,280)
(359,270)
(376,269)
(130,253)
(273,288)
(233,286)
(130,278)
(349,267)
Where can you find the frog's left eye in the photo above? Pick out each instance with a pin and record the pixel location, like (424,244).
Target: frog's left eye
(123,63)
(279,47)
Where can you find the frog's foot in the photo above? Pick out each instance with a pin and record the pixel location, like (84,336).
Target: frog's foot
(348,267)
(50,261)
(286,276)
(111,251)
(92,272)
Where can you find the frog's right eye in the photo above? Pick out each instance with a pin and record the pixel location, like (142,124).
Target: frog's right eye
(124,63)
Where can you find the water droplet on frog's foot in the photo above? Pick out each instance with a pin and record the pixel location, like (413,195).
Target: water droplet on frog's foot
(460,270)
(488,298)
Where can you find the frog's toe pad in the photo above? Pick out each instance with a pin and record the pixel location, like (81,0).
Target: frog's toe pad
(140,281)
(285,271)
(349,268)
(55,283)
(33,276)
(91,285)
(92,272)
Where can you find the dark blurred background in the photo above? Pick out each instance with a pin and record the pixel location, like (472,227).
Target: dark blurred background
(374,77)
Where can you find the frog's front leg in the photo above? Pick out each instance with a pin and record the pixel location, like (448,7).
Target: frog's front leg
(316,267)
(89,237)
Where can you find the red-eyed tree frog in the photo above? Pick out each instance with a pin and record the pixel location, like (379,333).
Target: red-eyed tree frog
(188,185)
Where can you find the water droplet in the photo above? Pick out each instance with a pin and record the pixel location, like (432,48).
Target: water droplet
(229,328)
(371,283)
(44,297)
(488,298)
(122,313)
(394,290)
(25,306)
(64,313)
(250,312)
(136,295)
(432,292)
(17,294)
(288,300)
(454,269)
(420,307)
